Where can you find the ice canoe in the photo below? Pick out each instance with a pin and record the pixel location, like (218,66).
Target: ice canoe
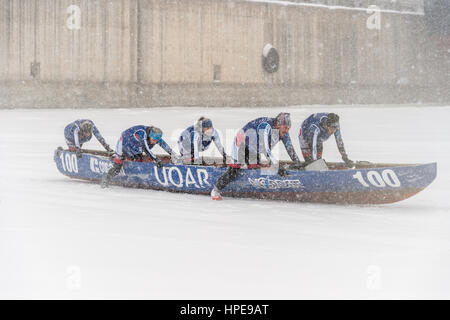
(365,184)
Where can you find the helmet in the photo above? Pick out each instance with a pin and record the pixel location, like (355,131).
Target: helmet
(86,127)
(283,119)
(332,120)
(206,123)
(203,122)
(154,133)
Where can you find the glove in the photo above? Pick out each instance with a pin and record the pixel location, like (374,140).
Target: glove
(137,158)
(109,150)
(176,159)
(225,158)
(159,163)
(78,153)
(282,172)
(308,160)
(349,163)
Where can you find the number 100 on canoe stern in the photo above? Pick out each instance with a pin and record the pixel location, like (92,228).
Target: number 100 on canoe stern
(368,186)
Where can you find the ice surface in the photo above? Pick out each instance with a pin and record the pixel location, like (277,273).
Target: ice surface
(62,238)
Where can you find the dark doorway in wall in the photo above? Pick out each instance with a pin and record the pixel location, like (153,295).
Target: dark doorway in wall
(217,73)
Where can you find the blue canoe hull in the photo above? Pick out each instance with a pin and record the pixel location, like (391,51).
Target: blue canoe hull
(374,185)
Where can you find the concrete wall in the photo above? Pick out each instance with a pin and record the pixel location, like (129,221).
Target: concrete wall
(163,52)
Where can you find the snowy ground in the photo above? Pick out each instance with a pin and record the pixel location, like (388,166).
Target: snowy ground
(62,238)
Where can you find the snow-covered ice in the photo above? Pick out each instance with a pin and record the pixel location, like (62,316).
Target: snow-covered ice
(63,238)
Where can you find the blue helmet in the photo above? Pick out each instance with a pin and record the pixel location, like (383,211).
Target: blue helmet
(86,127)
(207,123)
(154,133)
(283,119)
(332,120)
(204,123)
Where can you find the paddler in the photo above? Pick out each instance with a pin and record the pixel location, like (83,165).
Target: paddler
(132,145)
(257,137)
(197,138)
(316,129)
(79,132)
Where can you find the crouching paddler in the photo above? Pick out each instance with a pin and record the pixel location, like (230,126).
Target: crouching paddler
(79,132)
(132,144)
(198,138)
(255,138)
(315,130)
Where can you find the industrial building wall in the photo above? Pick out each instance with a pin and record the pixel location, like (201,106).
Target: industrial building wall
(87,53)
